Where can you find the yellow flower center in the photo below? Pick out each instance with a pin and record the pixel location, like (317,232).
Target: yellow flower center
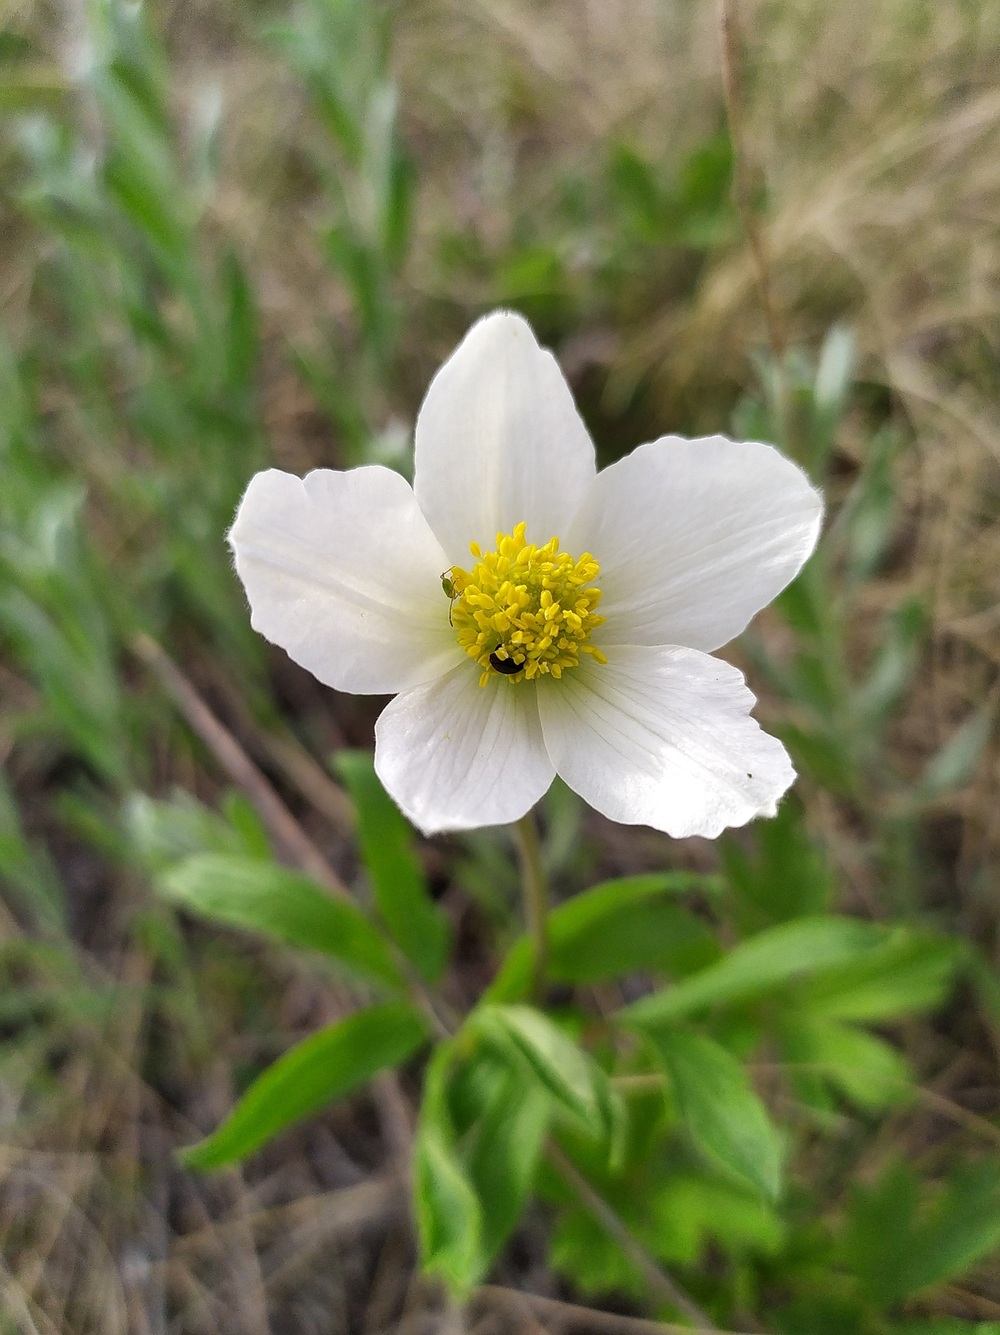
(524,611)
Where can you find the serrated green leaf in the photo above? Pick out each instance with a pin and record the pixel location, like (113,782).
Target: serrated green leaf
(908,973)
(449,1220)
(985,979)
(899,1245)
(863,1067)
(445,1205)
(719,1109)
(821,754)
(618,927)
(501,1153)
(311,1075)
(879,1228)
(786,877)
(560,1066)
(583,1251)
(960,1229)
(756,966)
(418,926)
(263,897)
(690,1210)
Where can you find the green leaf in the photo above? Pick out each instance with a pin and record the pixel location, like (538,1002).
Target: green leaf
(961,1228)
(864,1068)
(954,764)
(263,897)
(899,1245)
(316,1071)
(879,1229)
(164,831)
(894,663)
(448,1216)
(984,978)
(787,878)
(583,1251)
(821,754)
(618,927)
(909,972)
(241,333)
(418,926)
(501,1152)
(559,1065)
(691,1210)
(868,515)
(756,966)
(720,1111)
(446,1207)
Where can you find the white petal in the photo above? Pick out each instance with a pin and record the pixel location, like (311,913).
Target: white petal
(342,570)
(456,756)
(663,737)
(694,537)
(499,440)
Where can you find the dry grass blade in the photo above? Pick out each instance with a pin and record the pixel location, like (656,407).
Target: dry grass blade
(282,825)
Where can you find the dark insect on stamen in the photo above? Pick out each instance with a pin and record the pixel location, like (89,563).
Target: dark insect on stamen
(505,665)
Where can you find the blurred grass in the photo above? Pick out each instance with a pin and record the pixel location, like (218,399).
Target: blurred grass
(241,234)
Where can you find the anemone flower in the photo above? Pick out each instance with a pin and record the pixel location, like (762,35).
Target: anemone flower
(532,616)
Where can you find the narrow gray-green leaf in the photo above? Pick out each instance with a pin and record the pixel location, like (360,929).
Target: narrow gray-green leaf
(311,1075)
(263,897)
(720,1110)
(955,763)
(758,965)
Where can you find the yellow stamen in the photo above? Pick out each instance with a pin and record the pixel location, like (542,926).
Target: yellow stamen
(523,611)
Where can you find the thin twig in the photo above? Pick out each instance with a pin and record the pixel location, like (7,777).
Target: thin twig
(611,1323)
(309,777)
(732,86)
(283,750)
(963,1116)
(282,825)
(663,1288)
(939,1102)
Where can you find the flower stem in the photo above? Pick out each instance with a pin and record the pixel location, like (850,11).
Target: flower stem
(536,897)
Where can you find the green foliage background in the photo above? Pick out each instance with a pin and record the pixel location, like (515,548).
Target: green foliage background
(244,234)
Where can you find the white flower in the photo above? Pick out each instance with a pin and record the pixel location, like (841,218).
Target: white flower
(505,667)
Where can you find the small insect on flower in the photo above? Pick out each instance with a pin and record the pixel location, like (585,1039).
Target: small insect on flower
(450,592)
(584,609)
(505,665)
